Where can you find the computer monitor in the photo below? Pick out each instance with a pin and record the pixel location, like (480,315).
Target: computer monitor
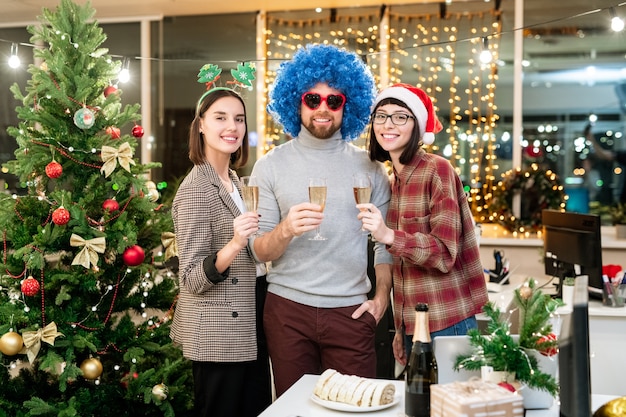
(572,246)
(574,362)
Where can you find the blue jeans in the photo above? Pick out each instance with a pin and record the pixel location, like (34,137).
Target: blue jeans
(458,329)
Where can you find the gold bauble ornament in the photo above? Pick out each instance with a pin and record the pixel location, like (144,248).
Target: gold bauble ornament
(92,368)
(160,391)
(614,408)
(153,195)
(110,256)
(11,343)
(525,292)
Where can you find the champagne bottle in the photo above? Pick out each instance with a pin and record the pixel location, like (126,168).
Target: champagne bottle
(422,369)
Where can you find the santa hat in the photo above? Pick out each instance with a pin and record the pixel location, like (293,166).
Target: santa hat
(420,105)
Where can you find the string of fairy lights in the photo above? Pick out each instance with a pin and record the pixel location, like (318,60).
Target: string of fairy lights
(432,45)
(463,46)
(485,54)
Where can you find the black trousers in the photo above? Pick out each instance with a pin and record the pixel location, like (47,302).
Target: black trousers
(236,389)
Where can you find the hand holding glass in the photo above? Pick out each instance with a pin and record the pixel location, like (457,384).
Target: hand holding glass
(250,194)
(362,189)
(317,195)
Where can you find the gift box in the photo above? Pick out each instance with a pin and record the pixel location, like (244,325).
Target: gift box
(474,398)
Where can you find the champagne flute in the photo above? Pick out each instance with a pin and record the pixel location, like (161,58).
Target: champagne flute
(362,188)
(317,195)
(250,194)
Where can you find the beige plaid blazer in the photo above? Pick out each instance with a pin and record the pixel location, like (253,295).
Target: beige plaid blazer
(212,322)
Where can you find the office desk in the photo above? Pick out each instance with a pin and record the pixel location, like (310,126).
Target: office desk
(296,402)
(607,336)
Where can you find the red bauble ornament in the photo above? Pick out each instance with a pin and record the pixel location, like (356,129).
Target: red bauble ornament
(550,351)
(114,132)
(533,152)
(133,255)
(137,131)
(30,287)
(127,377)
(54,169)
(60,216)
(111,205)
(109,90)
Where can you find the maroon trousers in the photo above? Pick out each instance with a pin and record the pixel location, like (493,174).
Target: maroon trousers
(307,340)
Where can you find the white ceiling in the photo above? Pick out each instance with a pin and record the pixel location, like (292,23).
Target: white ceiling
(27,10)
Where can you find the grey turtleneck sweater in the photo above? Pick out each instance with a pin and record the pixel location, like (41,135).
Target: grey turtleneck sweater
(330,273)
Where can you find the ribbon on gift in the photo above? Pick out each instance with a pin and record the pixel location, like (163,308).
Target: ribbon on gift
(110,156)
(32,340)
(475,389)
(474,397)
(89,253)
(168,239)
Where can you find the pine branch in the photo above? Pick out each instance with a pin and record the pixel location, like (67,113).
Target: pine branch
(38,407)
(501,351)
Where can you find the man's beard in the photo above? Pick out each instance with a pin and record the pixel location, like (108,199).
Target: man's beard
(321,132)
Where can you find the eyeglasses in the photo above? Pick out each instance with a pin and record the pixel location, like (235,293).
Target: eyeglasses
(333,101)
(398,119)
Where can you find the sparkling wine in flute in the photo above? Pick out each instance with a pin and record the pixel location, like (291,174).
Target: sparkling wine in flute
(250,194)
(362,194)
(251,197)
(317,195)
(362,188)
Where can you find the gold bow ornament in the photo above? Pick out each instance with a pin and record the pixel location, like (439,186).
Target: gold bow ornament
(168,239)
(110,156)
(32,340)
(89,253)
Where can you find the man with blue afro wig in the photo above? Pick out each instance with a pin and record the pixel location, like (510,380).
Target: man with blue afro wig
(340,69)
(317,314)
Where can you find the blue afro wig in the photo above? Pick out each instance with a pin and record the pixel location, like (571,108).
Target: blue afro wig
(340,69)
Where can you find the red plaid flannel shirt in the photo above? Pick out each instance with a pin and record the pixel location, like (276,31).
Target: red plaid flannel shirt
(435,252)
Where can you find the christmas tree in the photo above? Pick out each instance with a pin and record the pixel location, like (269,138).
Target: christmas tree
(85,290)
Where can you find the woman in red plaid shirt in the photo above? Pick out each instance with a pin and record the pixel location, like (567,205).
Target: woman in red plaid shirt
(429,228)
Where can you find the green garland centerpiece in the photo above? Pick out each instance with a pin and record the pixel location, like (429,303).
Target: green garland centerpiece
(540,189)
(500,350)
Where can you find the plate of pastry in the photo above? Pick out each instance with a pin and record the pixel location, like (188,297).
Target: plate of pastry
(352,393)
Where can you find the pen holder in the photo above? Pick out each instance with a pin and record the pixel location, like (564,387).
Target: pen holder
(613,295)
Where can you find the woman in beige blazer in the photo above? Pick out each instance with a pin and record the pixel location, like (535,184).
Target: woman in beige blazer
(215,321)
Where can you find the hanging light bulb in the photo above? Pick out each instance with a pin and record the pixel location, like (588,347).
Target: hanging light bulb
(485,54)
(617,23)
(14,59)
(124,74)
(593,118)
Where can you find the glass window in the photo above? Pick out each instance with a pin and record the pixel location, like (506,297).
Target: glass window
(572,68)
(8,103)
